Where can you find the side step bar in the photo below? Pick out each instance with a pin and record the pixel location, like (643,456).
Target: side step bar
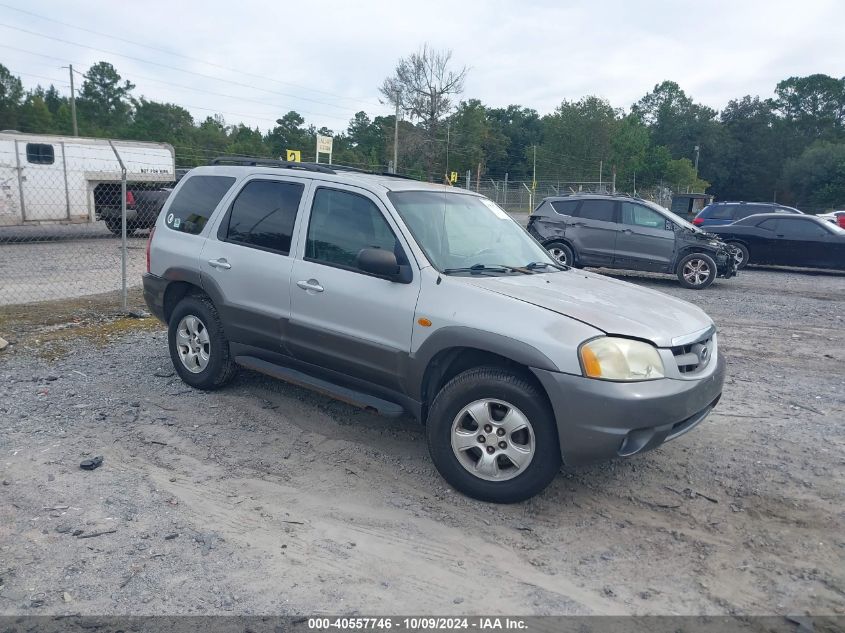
(349,396)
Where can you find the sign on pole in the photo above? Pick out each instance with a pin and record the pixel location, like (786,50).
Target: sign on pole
(294,155)
(324,146)
(453,177)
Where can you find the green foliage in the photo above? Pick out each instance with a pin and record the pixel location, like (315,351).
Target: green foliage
(817,176)
(791,146)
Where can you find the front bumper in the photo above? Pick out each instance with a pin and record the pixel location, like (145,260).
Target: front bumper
(598,420)
(154,287)
(726,264)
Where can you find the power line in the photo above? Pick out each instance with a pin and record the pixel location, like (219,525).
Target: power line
(188,57)
(167,66)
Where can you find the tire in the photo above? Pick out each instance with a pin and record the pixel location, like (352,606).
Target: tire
(561,253)
(742,259)
(492,392)
(696,271)
(213,366)
(116,227)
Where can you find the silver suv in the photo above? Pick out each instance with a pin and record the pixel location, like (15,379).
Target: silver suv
(402,296)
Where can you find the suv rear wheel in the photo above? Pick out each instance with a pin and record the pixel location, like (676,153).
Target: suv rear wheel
(696,271)
(199,349)
(492,436)
(561,253)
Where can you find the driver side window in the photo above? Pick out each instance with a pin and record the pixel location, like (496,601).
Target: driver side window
(637,215)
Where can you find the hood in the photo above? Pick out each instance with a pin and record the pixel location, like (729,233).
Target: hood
(613,306)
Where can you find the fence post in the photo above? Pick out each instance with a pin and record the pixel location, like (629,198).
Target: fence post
(505,193)
(123,294)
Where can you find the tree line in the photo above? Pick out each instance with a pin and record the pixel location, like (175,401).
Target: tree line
(789,147)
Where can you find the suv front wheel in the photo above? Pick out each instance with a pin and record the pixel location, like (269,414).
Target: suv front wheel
(696,271)
(491,435)
(198,346)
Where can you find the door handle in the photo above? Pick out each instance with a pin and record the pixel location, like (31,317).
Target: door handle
(219,263)
(311,284)
(577,224)
(628,231)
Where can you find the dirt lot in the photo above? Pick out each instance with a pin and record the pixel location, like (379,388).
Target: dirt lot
(266,498)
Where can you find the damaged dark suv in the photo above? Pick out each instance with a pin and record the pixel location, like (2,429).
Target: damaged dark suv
(623,232)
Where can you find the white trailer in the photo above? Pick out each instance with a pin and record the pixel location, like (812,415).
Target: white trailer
(51,179)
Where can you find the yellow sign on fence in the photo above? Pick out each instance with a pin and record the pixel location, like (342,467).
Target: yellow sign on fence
(294,156)
(453,177)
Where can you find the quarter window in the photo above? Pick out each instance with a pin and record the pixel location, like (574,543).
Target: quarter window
(601,210)
(195,201)
(342,224)
(263,215)
(565,207)
(638,215)
(40,153)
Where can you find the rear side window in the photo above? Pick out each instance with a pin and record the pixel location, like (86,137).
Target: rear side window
(565,207)
(601,210)
(720,212)
(800,229)
(40,153)
(263,215)
(343,223)
(744,212)
(768,225)
(195,201)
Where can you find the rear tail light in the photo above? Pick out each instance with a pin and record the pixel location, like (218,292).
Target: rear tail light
(841,220)
(130,198)
(698,221)
(149,243)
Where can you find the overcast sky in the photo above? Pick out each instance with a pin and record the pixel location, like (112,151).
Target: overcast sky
(327,59)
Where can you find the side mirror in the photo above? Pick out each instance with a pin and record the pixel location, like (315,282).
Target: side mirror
(670,226)
(378,261)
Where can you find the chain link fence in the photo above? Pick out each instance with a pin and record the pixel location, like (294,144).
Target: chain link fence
(63,202)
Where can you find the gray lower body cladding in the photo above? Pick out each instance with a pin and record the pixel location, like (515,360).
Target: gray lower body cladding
(598,420)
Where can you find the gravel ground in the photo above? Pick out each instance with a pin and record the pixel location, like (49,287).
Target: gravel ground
(264,498)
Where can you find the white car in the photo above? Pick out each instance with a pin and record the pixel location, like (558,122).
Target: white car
(835,217)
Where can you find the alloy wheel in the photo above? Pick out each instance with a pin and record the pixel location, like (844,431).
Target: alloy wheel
(493,440)
(193,343)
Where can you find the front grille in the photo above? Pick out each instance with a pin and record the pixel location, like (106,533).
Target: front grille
(694,357)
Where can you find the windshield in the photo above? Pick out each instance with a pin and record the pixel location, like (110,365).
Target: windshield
(457,230)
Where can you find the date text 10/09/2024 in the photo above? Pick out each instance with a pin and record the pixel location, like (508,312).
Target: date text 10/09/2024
(417,623)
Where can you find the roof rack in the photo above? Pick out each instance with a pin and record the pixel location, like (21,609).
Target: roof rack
(251,161)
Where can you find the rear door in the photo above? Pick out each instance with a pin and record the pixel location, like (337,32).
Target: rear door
(592,232)
(248,260)
(645,240)
(343,319)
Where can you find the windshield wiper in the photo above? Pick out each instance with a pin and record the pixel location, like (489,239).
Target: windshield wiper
(477,268)
(536,265)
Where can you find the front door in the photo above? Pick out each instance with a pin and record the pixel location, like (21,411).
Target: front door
(646,239)
(592,232)
(247,261)
(341,318)
(801,242)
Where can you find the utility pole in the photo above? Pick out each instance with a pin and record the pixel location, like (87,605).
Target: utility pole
(601,168)
(396,138)
(72,101)
(448,126)
(696,160)
(534,173)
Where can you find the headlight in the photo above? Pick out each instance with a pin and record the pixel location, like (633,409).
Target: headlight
(611,358)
